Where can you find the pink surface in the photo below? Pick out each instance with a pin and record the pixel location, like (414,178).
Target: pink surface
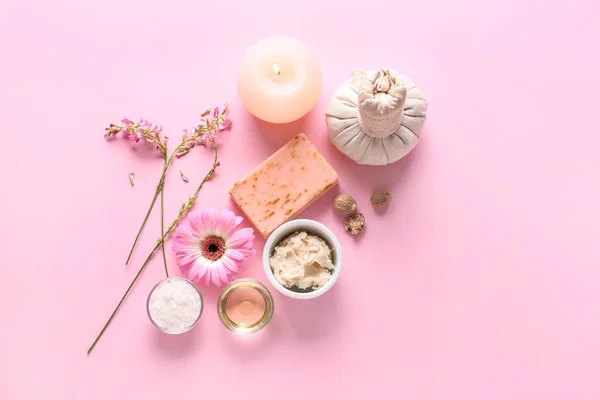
(480,281)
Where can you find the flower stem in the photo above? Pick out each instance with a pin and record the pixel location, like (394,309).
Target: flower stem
(151,134)
(142,227)
(159,188)
(162,226)
(184,210)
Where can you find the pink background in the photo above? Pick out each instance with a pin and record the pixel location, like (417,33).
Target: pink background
(480,281)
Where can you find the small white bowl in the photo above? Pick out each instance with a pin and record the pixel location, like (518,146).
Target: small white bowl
(312,227)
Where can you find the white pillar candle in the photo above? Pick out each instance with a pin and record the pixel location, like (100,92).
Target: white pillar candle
(279,79)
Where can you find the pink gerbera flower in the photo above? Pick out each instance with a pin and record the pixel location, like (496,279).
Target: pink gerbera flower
(210,247)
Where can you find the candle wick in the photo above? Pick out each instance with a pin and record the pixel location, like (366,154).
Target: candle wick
(276,69)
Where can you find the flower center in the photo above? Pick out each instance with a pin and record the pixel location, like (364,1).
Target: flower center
(213,248)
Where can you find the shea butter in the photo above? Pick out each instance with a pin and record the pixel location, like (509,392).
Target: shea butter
(302,261)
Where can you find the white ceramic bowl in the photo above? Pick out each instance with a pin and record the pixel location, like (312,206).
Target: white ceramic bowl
(314,228)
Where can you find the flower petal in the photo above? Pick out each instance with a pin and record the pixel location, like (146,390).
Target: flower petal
(207,219)
(198,269)
(224,223)
(222,274)
(199,226)
(207,277)
(185,240)
(238,221)
(230,264)
(187,258)
(186,265)
(243,238)
(238,255)
(225,124)
(217,273)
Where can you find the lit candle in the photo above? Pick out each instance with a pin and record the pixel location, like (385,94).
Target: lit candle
(279,79)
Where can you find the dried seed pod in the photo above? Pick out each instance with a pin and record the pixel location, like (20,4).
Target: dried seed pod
(344,204)
(355,224)
(183,177)
(381,198)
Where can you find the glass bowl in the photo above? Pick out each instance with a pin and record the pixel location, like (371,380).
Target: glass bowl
(245,306)
(181,330)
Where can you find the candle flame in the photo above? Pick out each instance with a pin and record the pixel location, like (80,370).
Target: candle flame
(276,69)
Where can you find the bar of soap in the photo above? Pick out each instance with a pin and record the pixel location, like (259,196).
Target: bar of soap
(283,185)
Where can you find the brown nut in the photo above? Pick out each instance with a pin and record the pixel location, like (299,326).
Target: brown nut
(381,198)
(344,204)
(355,224)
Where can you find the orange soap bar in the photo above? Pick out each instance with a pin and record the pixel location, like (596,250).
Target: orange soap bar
(282,186)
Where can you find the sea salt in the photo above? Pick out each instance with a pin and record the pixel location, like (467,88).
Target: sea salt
(175,305)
